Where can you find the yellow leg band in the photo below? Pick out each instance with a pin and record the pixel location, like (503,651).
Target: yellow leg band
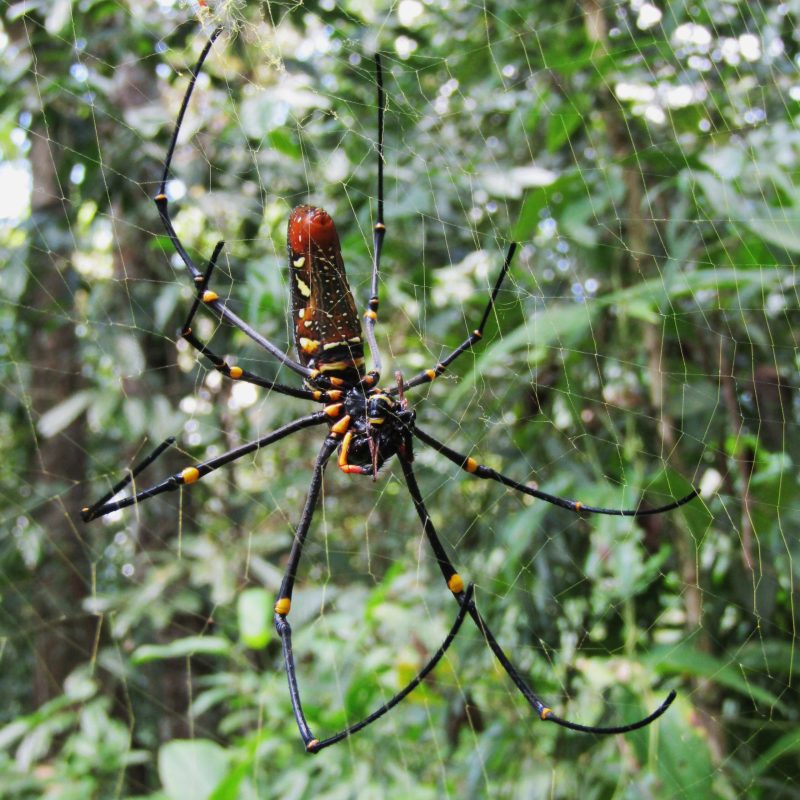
(190,474)
(341,426)
(282,606)
(345,448)
(545,713)
(456,583)
(235,372)
(209,296)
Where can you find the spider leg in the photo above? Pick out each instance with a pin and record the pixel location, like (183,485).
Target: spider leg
(466,603)
(456,585)
(203,295)
(379,231)
(426,376)
(284,603)
(193,473)
(471,466)
(222,311)
(130,476)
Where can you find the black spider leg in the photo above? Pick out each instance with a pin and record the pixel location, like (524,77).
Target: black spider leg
(426,376)
(471,466)
(88,512)
(456,585)
(193,473)
(379,231)
(203,295)
(284,603)
(406,690)
(162,204)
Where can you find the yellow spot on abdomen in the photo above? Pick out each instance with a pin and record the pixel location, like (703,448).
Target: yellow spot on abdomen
(340,366)
(308,345)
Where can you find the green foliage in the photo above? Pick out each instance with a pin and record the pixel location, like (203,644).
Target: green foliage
(643,343)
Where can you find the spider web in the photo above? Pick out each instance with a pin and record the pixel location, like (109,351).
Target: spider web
(644,158)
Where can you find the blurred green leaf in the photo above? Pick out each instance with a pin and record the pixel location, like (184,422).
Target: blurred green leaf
(181,648)
(254,610)
(685,659)
(191,770)
(785,747)
(64,414)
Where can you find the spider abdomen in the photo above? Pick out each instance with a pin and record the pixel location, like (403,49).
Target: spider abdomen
(327,329)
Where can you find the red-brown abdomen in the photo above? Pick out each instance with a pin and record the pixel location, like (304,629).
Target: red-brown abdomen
(327,330)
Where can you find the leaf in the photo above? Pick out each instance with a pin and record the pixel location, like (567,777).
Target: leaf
(180,648)
(64,414)
(254,611)
(530,214)
(683,762)
(191,769)
(788,743)
(561,126)
(284,143)
(688,660)
(575,221)
(778,226)
(58,16)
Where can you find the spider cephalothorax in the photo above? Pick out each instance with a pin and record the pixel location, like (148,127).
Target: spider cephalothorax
(379,428)
(366,424)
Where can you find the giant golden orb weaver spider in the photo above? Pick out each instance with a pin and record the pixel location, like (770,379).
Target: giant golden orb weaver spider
(365,423)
